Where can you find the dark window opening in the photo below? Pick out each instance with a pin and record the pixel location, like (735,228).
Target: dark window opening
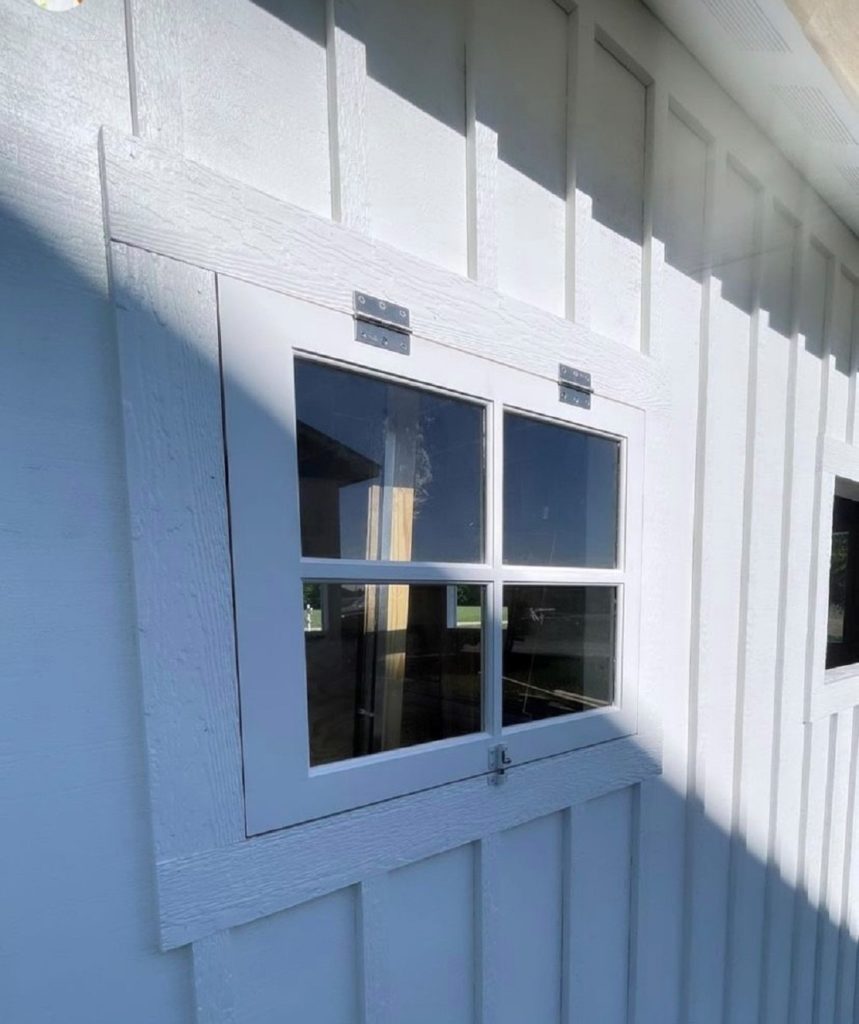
(842,639)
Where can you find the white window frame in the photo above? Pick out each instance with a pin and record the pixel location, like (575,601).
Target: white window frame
(262,333)
(834,689)
(175,230)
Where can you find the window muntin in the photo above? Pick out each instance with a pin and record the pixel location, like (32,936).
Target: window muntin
(387,472)
(560,494)
(391,671)
(403,450)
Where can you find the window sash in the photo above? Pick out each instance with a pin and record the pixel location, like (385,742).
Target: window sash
(262,335)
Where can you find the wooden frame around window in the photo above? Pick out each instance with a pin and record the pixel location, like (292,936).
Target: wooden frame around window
(173,229)
(262,333)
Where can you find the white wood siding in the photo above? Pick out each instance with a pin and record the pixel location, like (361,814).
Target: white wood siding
(582,164)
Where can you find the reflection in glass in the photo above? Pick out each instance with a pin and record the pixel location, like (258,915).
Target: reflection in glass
(560,495)
(559,650)
(386,471)
(842,640)
(838,586)
(390,665)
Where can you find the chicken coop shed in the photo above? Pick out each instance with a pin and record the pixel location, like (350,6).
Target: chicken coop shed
(429,512)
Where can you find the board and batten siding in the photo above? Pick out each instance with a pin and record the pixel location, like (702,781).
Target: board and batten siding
(575,159)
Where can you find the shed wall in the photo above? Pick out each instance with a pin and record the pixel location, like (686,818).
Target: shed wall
(583,163)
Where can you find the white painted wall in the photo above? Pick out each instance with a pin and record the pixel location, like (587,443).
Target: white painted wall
(584,164)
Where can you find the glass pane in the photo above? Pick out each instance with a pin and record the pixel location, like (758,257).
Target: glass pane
(842,641)
(838,586)
(390,665)
(560,495)
(386,471)
(559,650)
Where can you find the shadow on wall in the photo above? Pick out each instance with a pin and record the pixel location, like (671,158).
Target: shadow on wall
(65,535)
(80,919)
(43,529)
(416,52)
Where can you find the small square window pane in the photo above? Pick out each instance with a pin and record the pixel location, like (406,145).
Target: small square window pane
(560,495)
(559,650)
(386,471)
(391,665)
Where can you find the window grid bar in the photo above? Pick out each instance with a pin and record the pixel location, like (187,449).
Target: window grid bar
(336,571)
(494,574)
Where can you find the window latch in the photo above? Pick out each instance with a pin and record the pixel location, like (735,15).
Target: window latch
(380,323)
(574,386)
(499,761)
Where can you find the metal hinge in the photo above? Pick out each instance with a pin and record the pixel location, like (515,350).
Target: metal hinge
(574,386)
(499,762)
(381,323)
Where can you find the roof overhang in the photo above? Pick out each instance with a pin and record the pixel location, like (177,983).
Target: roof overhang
(793,65)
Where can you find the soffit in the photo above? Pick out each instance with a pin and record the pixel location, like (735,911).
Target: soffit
(793,65)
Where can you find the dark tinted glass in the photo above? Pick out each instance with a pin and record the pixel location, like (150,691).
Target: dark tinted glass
(386,471)
(559,650)
(390,665)
(842,640)
(560,495)
(838,586)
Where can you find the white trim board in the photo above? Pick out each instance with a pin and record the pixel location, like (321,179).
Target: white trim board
(234,884)
(160,202)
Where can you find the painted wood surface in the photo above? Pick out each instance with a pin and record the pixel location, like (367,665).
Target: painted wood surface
(613,207)
(197,216)
(229,885)
(78,892)
(253,90)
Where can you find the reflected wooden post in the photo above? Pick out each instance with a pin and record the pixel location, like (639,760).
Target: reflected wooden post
(396,525)
(367,704)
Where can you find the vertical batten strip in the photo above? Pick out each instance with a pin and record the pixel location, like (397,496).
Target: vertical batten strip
(155,71)
(715,191)
(832,914)
(580,75)
(783,875)
(853,328)
(676,327)
(347,115)
(635,932)
(653,253)
(826,371)
(756,451)
(482,155)
(373,983)
(722,528)
(213,979)
(810,909)
(762,601)
(831,917)
(487,916)
(569,1010)
(816,740)
(838,355)
(848,942)
(827,836)
(575,29)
